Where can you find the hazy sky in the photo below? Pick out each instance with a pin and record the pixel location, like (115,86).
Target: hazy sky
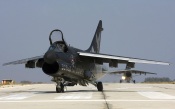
(134,28)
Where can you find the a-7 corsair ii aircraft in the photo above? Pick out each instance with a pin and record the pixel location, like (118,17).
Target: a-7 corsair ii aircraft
(69,66)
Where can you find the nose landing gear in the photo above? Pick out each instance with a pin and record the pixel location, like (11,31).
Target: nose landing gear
(60,84)
(60,88)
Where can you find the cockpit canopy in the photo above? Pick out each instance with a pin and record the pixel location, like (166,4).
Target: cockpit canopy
(56,39)
(56,47)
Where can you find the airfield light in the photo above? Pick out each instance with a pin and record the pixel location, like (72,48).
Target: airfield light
(123,77)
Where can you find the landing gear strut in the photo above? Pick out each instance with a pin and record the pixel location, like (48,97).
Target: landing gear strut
(100,86)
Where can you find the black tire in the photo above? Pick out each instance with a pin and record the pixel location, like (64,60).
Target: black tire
(100,86)
(62,87)
(134,81)
(58,90)
(120,81)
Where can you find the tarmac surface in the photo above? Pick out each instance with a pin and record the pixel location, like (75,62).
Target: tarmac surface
(114,96)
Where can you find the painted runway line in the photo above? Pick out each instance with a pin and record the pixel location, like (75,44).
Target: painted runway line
(156,95)
(95,100)
(18,96)
(75,96)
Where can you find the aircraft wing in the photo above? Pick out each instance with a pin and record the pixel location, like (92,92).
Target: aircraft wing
(24,61)
(131,71)
(118,59)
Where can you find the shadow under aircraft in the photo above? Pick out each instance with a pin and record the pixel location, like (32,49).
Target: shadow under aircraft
(70,66)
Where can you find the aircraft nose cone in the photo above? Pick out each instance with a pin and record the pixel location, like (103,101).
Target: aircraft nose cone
(50,57)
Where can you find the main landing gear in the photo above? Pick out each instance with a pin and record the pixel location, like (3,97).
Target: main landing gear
(128,81)
(100,86)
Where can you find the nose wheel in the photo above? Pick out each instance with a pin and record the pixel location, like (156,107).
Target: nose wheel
(60,88)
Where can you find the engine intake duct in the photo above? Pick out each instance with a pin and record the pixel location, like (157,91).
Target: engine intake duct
(128,74)
(50,69)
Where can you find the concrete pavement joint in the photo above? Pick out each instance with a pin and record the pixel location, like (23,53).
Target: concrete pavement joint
(104,96)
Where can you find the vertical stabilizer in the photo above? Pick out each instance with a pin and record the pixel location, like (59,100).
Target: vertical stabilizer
(95,45)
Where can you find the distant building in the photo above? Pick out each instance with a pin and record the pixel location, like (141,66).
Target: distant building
(7,81)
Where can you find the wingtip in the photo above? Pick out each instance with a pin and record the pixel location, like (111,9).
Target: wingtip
(4,64)
(167,63)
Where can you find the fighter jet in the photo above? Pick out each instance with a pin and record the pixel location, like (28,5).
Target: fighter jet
(128,74)
(70,66)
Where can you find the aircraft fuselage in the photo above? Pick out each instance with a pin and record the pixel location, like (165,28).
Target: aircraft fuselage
(69,64)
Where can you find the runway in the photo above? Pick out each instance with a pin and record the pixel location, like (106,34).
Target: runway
(114,96)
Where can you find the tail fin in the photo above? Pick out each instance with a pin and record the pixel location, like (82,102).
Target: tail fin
(95,45)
